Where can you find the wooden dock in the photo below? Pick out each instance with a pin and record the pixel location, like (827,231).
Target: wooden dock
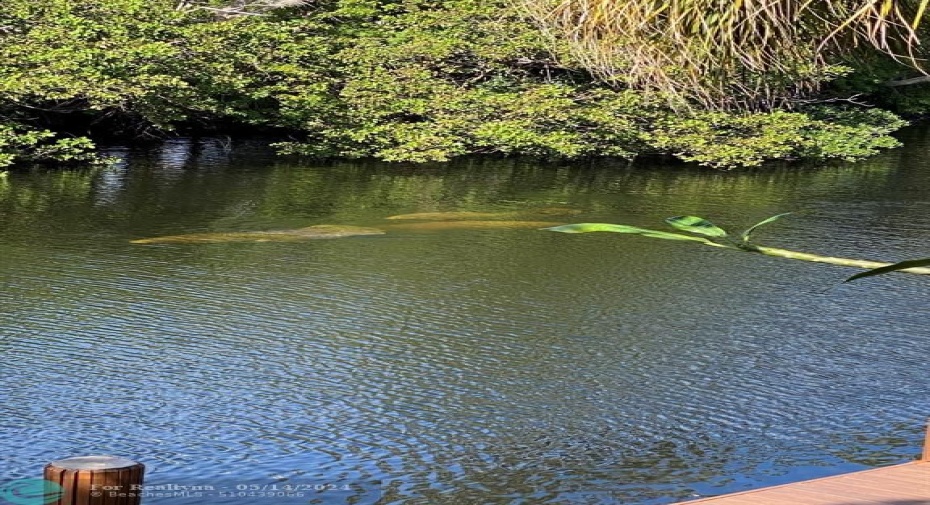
(904,484)
(907,484)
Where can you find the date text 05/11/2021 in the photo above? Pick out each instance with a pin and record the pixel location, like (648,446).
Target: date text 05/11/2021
(274,490)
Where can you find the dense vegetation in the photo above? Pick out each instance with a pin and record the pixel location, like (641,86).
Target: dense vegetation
(397,80)
(729,54)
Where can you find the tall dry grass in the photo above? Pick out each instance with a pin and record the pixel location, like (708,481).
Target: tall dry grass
(725,54)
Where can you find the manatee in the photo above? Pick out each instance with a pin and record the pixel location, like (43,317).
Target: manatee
(473,216)
(469,225)
(448,216)
(552,211)
(320,231)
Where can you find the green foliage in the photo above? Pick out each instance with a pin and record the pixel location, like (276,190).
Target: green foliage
(727,140)
(65,56)
(622,228)
(431,120)
(18,145)
(428,82)
(691,224)
(704,227)
(697,225)
(747,233)
(396,80)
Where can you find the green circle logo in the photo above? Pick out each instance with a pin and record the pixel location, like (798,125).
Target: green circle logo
(30,492)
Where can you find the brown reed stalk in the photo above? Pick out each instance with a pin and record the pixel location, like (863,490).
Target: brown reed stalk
(725,54)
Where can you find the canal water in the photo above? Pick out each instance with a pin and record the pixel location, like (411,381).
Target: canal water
(458,363)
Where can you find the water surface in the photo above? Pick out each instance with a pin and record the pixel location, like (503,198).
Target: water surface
(460,366)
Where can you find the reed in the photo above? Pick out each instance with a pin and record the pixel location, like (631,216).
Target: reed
(726,54)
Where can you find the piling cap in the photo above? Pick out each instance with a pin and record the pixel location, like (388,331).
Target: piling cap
(95,463)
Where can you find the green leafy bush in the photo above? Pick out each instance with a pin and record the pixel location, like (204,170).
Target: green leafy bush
(18,145)
(727,140)
(397,80)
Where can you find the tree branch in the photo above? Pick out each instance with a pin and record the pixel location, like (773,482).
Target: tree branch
(907,82)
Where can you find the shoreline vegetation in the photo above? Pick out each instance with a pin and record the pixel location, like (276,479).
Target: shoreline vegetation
(428,81)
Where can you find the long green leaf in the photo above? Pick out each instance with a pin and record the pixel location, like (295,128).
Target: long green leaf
(892,268)
(744,237)
(912,266)
(621,228)
(697,225)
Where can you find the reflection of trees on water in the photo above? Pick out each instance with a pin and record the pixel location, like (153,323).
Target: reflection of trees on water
(214,185)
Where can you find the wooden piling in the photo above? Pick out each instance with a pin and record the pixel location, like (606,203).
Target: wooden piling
(925,455)
(96,480)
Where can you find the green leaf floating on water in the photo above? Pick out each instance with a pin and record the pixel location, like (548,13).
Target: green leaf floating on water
(901,265)
(744,237)
(697,225)
(621,228)
(685,222)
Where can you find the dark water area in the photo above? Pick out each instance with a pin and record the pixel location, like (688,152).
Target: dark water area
(459,365)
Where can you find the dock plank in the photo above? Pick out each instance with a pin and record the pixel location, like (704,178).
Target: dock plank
(905,484)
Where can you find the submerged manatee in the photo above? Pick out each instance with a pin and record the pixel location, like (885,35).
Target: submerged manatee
(472,216)
(447,216)
(320,231)
(552,211)
(470,225)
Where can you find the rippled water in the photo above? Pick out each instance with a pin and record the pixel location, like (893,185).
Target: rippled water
(459,366)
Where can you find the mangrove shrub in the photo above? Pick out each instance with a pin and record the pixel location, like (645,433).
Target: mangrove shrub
(396,80)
